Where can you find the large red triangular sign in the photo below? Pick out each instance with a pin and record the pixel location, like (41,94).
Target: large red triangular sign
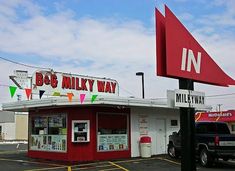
(179,55)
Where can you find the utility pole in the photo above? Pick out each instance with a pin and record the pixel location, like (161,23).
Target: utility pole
(219,106)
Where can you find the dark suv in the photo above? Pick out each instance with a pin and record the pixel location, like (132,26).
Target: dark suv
(213,141)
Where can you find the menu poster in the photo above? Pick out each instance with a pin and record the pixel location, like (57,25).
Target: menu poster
(143,124)
(112,142)
(40,122)
(56,121)
(48,143)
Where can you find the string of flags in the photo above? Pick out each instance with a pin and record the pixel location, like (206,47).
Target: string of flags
(70,96)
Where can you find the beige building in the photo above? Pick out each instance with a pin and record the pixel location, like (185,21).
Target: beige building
(13,126)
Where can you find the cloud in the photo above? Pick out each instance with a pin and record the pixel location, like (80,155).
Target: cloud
(225,15)
(60,36)
(105,48)
(186,17)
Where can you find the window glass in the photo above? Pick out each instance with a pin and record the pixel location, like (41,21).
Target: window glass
(80,131)
(174,122)
(222,129)
(212,128)
(112,132)
(48,133)
(233,127)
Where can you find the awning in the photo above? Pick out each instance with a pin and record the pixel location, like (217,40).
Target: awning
(224,116)
(25,106)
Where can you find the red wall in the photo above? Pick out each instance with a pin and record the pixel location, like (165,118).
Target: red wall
(82,151)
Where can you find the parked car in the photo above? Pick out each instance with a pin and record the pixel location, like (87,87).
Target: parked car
(213,140)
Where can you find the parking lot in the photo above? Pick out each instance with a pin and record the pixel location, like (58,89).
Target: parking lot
(12,158)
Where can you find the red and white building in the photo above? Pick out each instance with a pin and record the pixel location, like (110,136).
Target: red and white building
(84,129)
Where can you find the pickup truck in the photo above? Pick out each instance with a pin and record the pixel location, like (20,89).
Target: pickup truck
(213,140)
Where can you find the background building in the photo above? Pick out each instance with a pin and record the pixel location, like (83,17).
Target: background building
(13,126)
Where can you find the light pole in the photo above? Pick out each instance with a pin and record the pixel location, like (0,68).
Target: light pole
(141,74)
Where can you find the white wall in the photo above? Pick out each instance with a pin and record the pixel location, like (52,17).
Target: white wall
(152,115)
(8,131)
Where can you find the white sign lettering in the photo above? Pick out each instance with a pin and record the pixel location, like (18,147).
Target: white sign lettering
(189,98)
(190,60)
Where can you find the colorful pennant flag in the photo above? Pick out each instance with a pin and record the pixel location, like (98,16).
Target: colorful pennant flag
(93,98)
(28,92)
(70,96)
(12,90)
(56,93)
(41,92)
(82,98)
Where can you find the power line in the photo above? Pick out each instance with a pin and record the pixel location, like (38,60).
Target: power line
(3,85)
(22,64)
(218,95)
(126,91)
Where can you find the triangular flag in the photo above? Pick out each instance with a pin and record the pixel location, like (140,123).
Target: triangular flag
(70,96)
(12,90)
(82,98)
(28,92)
(41,92)
(93,98)
(56,93)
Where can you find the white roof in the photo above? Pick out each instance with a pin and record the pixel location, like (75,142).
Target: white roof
(100,101)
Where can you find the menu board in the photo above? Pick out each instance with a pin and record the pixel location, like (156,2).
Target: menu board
(112,142)
(143,124)
(55,143)
(56,121)
(40,122)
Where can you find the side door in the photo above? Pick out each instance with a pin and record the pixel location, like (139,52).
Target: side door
(161,136)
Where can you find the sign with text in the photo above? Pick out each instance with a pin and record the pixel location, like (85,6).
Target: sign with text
(179,55)
(189,98)
(65,83)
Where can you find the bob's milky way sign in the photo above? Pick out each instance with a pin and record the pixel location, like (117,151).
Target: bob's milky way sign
(71,83)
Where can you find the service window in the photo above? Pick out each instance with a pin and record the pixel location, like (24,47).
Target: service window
(80,131)
(112,132)
(48,133)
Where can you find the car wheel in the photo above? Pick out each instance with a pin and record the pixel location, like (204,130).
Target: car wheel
(205,158)
(172,151)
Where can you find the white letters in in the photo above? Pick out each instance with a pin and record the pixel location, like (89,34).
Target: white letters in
(191,60)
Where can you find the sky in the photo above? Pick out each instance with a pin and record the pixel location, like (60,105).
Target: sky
(112,39)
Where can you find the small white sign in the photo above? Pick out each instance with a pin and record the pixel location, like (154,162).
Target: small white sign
(22,78)
(189,98)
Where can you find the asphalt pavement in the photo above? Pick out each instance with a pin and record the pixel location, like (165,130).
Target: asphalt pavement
(13,157)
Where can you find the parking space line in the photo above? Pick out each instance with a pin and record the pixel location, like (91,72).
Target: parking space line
(171,161)
(54,166)
(91,167)
(33,162)
(13,152)
(110,169)
(112,163)
(133,160)
(48,168)
(89,164)
(152,158)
